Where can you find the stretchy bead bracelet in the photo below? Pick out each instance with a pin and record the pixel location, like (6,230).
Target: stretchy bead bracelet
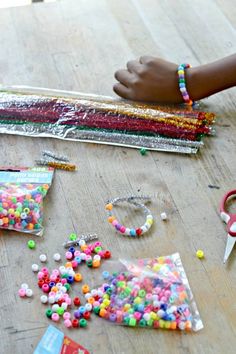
(125,230)
(182,84)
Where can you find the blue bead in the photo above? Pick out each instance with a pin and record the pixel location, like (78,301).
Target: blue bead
(24,224)
(51,284)
(78,259)
(82,309)
(164,307)
(132,232)
(70,279)
(72,250)
(105,274)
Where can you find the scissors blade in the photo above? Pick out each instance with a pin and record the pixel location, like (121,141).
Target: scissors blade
(229,246)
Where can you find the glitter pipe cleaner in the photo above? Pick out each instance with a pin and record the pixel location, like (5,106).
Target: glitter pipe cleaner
(102,137)
(55,156)
(57,165)
(86,238)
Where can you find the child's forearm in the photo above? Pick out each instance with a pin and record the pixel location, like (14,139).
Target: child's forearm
(208,79)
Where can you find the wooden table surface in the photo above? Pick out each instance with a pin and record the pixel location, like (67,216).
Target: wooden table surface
(77,45)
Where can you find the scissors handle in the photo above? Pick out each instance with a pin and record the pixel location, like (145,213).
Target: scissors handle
(228,218)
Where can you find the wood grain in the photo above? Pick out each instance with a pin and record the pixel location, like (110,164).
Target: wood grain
(77,45)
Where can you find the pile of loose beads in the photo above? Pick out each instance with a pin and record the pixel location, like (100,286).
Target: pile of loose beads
(125,230)
(25,291)
(21,206)
(155,300)
(57,284)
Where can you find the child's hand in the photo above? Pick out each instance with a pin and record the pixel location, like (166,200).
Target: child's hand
(149,79)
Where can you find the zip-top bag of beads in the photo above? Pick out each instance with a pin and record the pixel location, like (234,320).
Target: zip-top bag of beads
(21,198)
(147,293)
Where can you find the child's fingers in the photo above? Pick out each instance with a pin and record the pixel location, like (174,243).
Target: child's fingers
(134,66)
(121,90)
(145,59)
(124,76)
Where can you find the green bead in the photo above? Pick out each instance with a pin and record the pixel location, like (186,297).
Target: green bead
(97,249)
(36,226)
(126,320)
(142,293)
(150,322)
(67,286)
(49,313)
(14,200)
(142,323)
(130,311)
(127,291)
(72,237)
(132,322)
(96,310)
(89,263)
(143,151)
(60,311)
(82,322)
(109,291)
(12,222)
(31,244)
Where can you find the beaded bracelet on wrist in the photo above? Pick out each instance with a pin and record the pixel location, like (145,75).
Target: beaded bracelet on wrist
(182,84)
(133,232)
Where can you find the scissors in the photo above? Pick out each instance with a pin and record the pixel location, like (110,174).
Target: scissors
(230,220)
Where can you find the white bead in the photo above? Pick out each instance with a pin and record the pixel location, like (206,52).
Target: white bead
(163,216)
(87,296)
(83,256)
(147,316)
(82,243)
(63,289)
(29,292)
(149,216)
(59,285)
(64,305)
(57,257)
(160,313)
(88,307)
(127,231)
(97,257)
(57,297)
(44,299)
(55,307)
(94,292)
(100,293)
(181,325)
(43,258)
(35,267)
(51,299)
(71,272)
(24,286)
(62,270)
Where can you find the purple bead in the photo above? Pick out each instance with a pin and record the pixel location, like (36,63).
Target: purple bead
(77,314)
(118,226)
(112,317)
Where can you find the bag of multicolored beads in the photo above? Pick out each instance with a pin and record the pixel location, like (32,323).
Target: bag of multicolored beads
(148,293)
(21,198)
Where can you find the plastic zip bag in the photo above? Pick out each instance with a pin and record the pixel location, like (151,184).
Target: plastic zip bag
(21,198)
(148,293)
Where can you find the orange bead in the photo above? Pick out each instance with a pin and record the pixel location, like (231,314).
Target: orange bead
(102,312)
(188,325)
(30,226)
(28,196)
(91,300)
(111,218)
(54,289)
(85,289)
(173,325)
(5,220)
(78,277)
(83,247)
(96,263)
(68,265)
(109,206)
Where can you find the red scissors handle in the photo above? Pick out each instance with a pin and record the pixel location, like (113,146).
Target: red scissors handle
(229,218)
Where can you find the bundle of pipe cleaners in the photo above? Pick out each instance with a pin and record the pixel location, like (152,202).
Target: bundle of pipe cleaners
(75,116)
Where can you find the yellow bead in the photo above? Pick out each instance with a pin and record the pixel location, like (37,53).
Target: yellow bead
(149,221)
(127,307)
(200,254)
(181,72)
(167,324)
(153,316)
(137,300)
(106,302)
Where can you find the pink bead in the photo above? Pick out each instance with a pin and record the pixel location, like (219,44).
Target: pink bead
(167,293)
(74,264)
(63,281)
(88,257)
(44,270)
(51,293)
(68,323)
(122,229)
(163,299)
(53,277)
(22,292)
(149,297)
(97,244)
(137,315)
(55,272)
(115,222)
(40,275)
(68,301)
(77,253)
(55,317)
(66,315)
(96,304)
(69,255)
(88,251)
(45,288)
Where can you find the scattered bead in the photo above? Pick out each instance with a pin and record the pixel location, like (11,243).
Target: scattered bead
(57,257)
(22,292)
(35,267)
(163,216)
(31,244)
(43,258)
(29,293)
(143,151)
(200,254)
(44,299)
